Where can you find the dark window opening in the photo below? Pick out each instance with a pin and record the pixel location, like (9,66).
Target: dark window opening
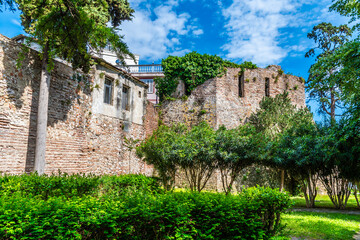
(108,91)
(241,86)
(267,87)
(125,98)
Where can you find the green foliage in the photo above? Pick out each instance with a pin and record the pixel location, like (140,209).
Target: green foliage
(272,204)
(323,84)
(142,215)
(49,186)
(161,150)
(277,114)
(202,112)
(247,65)
(7,4)
(235,150)
(67,29)
(199,151)
(193,69)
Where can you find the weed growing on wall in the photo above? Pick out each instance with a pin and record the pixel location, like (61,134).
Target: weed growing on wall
(193,69)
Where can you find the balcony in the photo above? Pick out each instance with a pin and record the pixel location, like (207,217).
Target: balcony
(139,69)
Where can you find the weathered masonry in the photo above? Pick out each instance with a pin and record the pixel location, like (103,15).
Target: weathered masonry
(230,99)
(89,116)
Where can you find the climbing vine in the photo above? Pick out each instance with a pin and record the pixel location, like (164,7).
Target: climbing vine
(193,69)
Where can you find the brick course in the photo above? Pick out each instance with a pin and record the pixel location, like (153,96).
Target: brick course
(78,140)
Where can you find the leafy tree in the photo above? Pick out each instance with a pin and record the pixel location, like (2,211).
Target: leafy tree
(197,157)
(161,150)
(348,136)
(274,117)
(345,59)
(299,151)
(322,84)
(235,150)
(68,29)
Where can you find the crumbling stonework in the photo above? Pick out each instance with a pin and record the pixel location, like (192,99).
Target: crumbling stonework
(221,101)
(218,100)
(83,135)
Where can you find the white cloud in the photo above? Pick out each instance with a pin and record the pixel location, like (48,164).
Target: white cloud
(254,28)
(155,33)
(16,22)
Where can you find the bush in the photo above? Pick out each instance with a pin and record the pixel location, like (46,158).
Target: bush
(272,204)
(117,184)
(139,214)
(49,186)
(74,185)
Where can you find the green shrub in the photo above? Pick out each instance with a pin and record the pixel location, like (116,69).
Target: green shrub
(272,204)
(74,185)
(146,212)
(46,186)
(117,184)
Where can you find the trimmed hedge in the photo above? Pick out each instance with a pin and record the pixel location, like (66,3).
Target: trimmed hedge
(138,213)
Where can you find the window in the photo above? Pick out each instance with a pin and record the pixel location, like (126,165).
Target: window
(108,90)
(149,82)
(125,98)
(267,87)
(241,86)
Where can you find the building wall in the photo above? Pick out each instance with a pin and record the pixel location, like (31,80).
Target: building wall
(232,110)
(81,135)
(217,101)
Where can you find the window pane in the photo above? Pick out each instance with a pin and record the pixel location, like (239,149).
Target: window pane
(108,89)
(125,98)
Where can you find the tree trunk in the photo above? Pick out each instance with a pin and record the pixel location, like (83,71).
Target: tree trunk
(332,106)
(42,115)
(282,180)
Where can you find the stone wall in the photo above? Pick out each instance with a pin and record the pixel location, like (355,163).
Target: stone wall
(79,138)
(232,110)
(218,102)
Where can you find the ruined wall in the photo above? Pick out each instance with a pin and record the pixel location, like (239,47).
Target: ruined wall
(218,102)
(78,139)
(232,110)
(199,106)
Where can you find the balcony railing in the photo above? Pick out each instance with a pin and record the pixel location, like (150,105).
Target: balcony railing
(151,68)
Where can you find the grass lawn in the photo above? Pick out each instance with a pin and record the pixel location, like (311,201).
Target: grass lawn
(323,201)
(310,225)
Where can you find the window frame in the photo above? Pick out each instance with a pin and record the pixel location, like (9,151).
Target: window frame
(111,92)
(125,106)
(147,80)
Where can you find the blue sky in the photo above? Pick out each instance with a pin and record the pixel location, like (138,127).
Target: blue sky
(262,31)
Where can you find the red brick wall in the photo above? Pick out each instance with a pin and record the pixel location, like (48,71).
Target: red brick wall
(77,139)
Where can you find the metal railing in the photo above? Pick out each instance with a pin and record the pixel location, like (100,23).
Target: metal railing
(151,68)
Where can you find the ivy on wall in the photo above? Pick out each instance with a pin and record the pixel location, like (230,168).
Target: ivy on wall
(193,69)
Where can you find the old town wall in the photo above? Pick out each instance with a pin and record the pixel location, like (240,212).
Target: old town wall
(79,138)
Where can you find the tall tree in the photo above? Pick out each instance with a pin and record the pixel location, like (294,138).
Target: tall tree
(236,149)
(298,151)
(323,86)
(69,29)
(274,117)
